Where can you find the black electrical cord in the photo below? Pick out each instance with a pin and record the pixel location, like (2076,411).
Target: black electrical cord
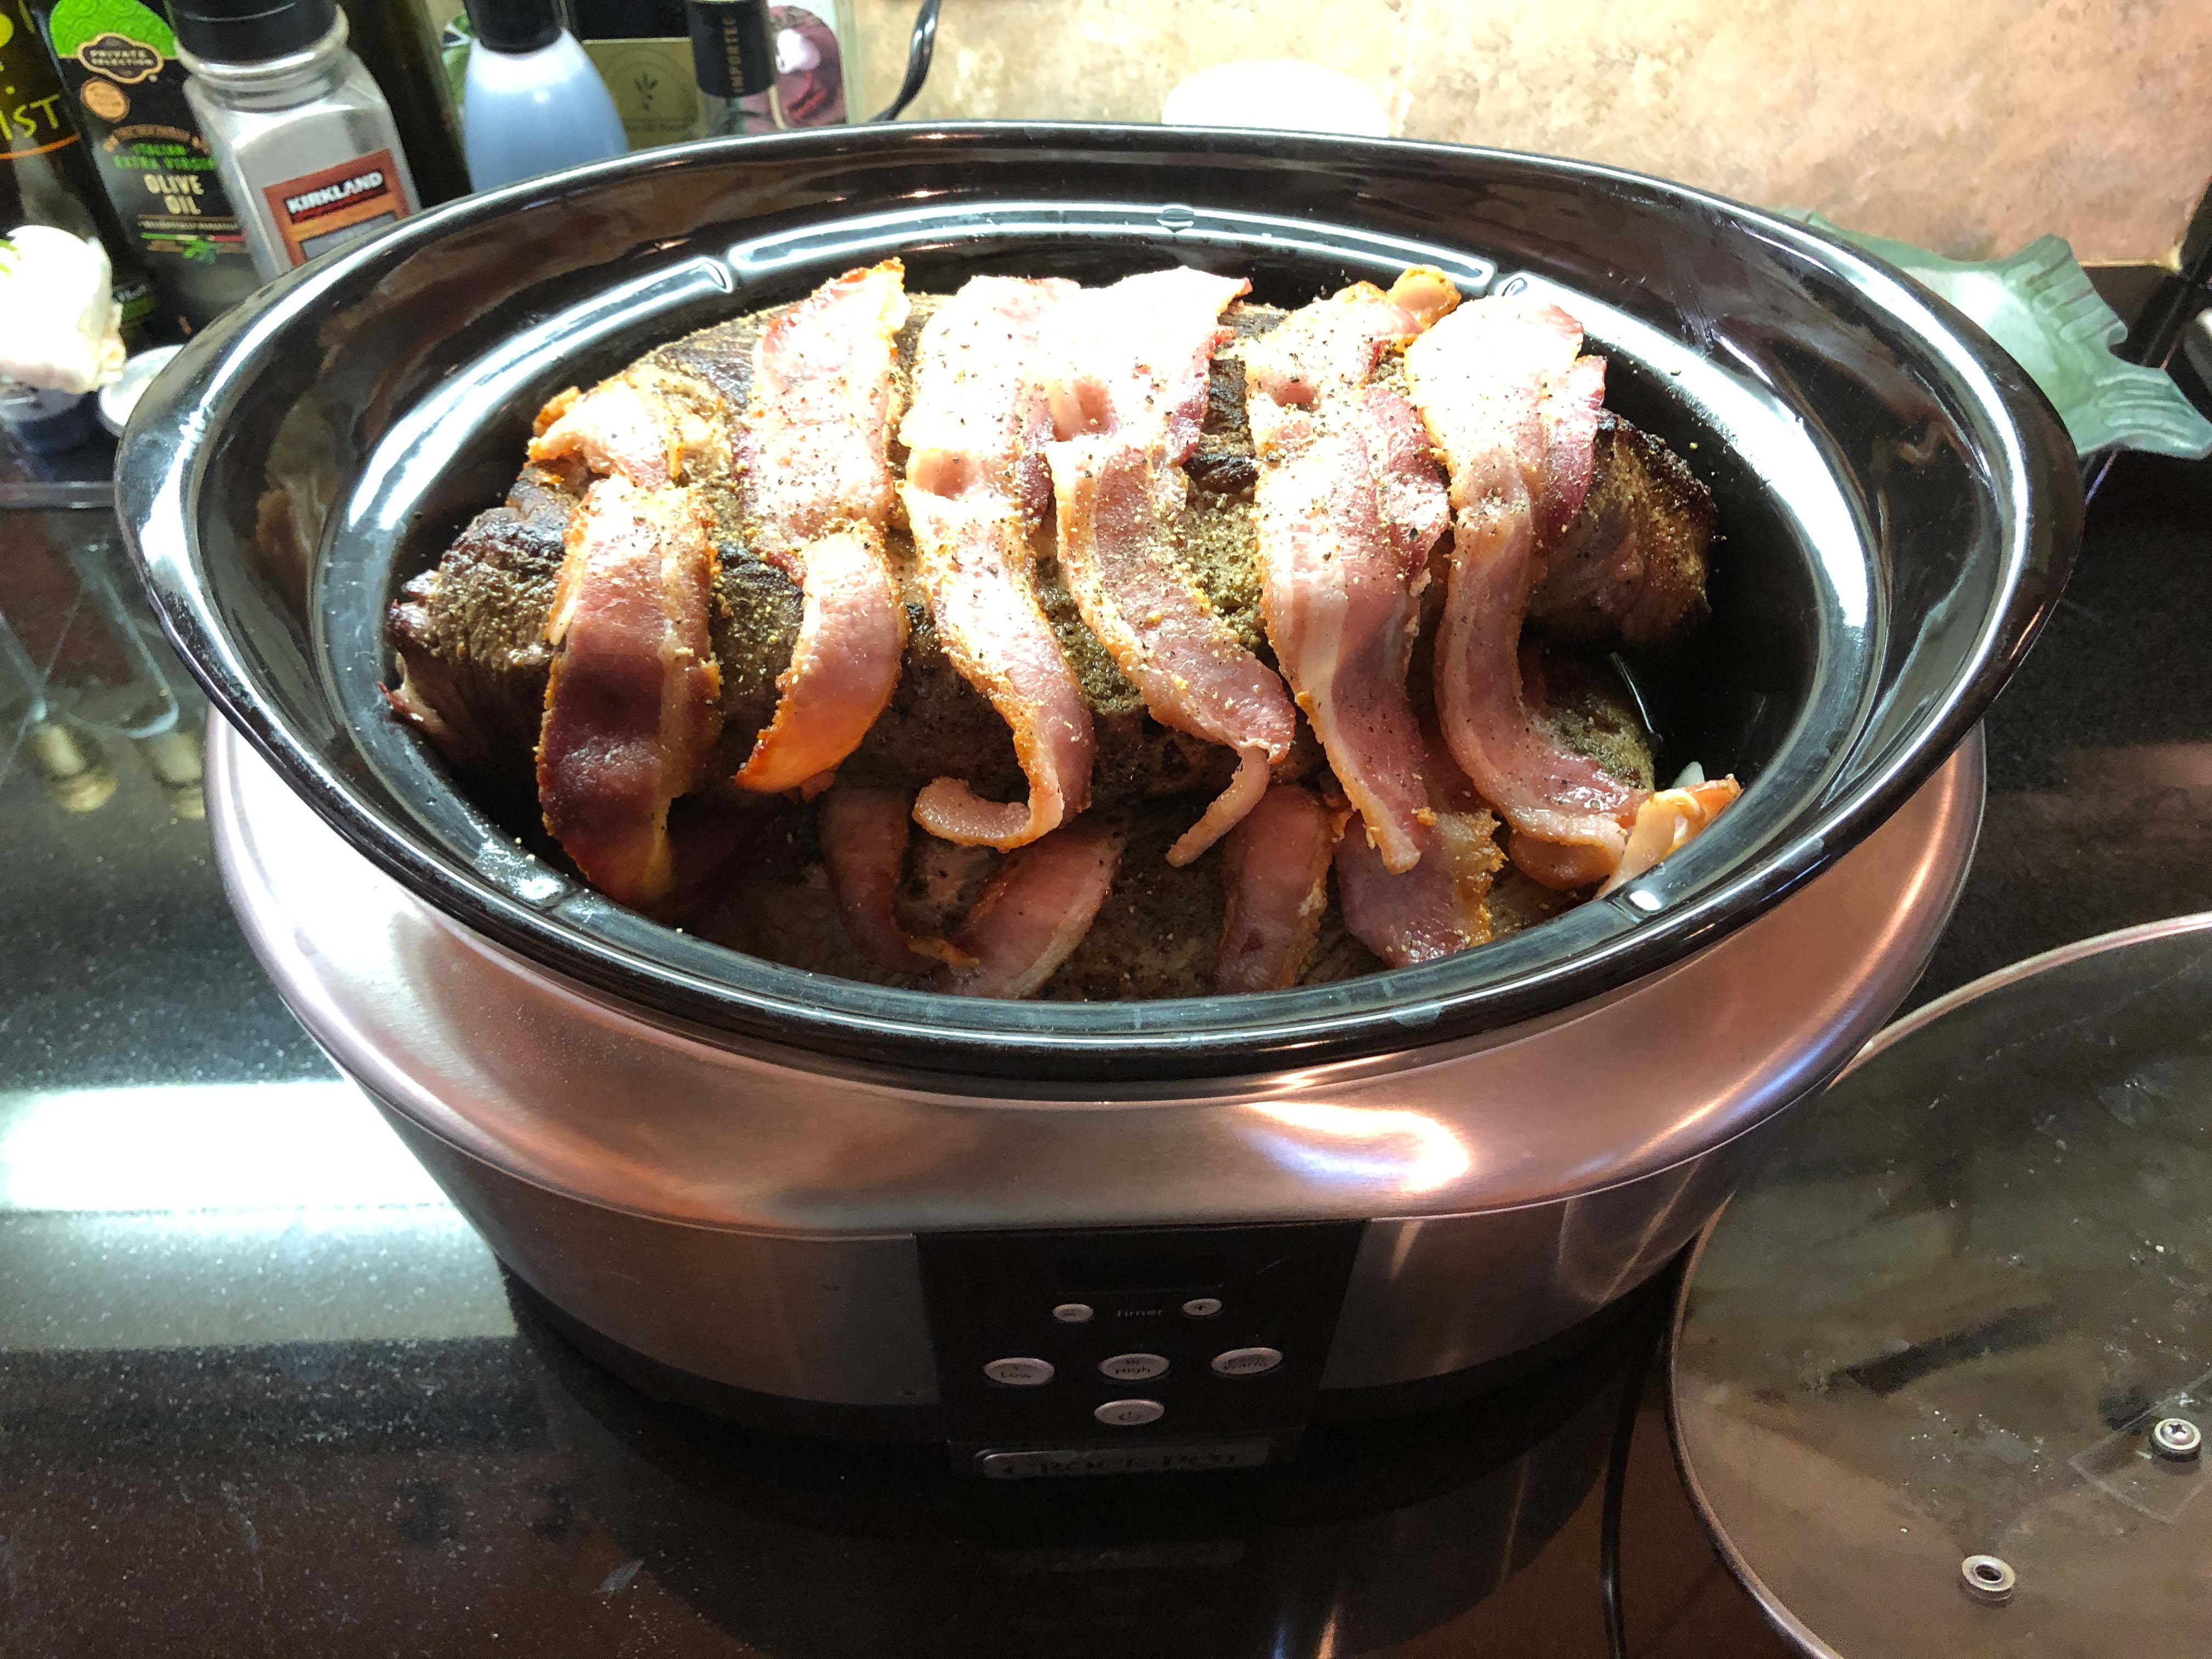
(2157,333)
(920,49)
(1616,1470)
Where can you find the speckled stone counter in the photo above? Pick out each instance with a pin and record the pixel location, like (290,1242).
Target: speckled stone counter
(262,1391)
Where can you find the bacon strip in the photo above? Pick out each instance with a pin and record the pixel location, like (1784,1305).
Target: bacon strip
(1033,912)
(633,705)
(817,491)
(844,667)
(1439,908)
(1511,405)
(1128,398)
(1275,876)
(627,427)
(1348,507)
(974,487)
(863,837)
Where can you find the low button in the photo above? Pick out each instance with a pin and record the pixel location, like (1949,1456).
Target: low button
(1201,1307)
(1130,1414)
(1133,1367)
(1021,1373)
(1072,1313)
(1247,1362)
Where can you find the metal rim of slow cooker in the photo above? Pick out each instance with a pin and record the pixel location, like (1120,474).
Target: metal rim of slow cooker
(1432,1003)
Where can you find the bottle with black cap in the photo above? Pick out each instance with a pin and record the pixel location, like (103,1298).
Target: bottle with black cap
(733,55)
(304,139)
(533,100)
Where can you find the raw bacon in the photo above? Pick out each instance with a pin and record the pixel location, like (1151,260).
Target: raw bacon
(1439,908)
(633,705)
(863,837)
(1442,905)
(1275,878)
(975,486)
(1512,406)
(627,427)
(1348,507)
(1128,393)
(844,667)
(817,491)
(1033,912)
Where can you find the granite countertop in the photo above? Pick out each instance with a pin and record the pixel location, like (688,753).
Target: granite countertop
(261,1390)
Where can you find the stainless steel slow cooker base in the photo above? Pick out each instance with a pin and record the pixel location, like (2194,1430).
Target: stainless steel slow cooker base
(868,1241)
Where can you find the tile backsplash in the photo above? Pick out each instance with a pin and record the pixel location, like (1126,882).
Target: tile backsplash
(1969,126)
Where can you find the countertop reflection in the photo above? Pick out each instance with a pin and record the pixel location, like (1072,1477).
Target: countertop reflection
(261,1390)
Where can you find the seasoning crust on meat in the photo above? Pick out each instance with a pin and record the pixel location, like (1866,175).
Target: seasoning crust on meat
(1142,890)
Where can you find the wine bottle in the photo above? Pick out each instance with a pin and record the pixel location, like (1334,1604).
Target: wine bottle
(397,41)
(734,61)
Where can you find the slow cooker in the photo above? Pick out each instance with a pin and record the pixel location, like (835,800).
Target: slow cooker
(1086,1238)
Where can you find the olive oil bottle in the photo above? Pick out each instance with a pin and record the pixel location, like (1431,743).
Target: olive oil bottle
(48,178)
(117,63)
(642,51)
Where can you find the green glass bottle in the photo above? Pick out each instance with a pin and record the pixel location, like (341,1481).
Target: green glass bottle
(398,43)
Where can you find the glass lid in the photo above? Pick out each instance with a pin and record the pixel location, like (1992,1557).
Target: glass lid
(1944,1365)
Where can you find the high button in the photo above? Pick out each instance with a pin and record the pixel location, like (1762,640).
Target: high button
(1133,1367)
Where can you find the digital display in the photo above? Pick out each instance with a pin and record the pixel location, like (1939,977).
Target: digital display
(1101,1274)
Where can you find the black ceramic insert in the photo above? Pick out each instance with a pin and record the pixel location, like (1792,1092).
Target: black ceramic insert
(1900,504)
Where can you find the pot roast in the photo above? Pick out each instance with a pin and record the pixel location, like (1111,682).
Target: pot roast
(1186,632)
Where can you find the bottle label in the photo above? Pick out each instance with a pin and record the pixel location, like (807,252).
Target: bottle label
(318,211)
(809,65)
(118,62)
(727,51)
(119,58)
(650,80)
(33,129)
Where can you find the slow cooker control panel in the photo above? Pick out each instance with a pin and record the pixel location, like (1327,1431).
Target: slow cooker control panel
(1131,1349)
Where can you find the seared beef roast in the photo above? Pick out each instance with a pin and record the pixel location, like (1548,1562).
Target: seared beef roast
(468,634)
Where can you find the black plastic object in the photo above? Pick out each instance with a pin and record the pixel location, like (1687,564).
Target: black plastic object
(515,26)
(921,46)
(251,31)
(1900,503)
(801,1547)
(46,422)
(732,47)
(1178,1294)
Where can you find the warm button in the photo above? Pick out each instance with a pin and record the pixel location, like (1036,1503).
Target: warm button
(1023,1373)
(1130,1414)
(1133,1367)
(1247,1362)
